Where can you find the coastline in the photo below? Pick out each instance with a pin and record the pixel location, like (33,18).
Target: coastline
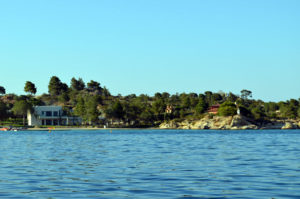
(236,122)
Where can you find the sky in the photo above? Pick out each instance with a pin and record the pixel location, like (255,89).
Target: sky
(149,46)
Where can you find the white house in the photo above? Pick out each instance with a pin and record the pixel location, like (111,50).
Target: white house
(50,115)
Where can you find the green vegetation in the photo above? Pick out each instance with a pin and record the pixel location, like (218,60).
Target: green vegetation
(30,88)
(227,109)
(2,90)
(96,106)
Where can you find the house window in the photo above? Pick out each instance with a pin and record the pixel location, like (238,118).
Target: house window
(43,122)
(48,122)
(55,122)
(55,113)
(48,113)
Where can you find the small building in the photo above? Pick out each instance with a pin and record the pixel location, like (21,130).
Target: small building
(169,109)
(213,109)
(51,115)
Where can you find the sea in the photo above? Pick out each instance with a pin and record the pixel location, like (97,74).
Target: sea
(181,164)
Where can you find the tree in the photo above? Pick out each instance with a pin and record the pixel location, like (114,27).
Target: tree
(21,108)
(63,88)
(216,97)
(77,85)
(208,96)
(165,95)
(132,110)
(201,106)
(157,95)
(146,116)
(105,92)
(115,111)
(54,86)
(258,112)
(2,90)
(30,88)
(3,110)
(79,109)
(245,94)
(64,98)
(232,97)
(159,107)
(185,101)
(91,109)
(94,86)
(288,111)
(227,109)
(298,112)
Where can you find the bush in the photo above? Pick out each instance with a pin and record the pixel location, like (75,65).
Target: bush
(227,109)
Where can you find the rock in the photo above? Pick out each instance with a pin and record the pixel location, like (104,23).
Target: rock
(168,125)
(273,125)
(235,123)
(251,126)
(289,125)
(240,122)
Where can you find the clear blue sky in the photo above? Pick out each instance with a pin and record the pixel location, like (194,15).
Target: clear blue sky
(139,46)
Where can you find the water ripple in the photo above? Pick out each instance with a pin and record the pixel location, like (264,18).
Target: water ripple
(150,164)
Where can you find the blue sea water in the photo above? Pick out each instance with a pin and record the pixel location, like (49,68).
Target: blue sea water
(150,164)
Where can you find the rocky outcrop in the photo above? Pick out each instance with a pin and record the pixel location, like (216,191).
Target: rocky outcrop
(236,122)
(241,122)
(289,125)
(169,125)
(212,123)
(216,122)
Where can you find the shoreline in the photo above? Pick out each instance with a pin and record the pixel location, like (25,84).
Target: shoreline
(111,129)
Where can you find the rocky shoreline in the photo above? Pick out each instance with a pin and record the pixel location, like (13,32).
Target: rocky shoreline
(236,122)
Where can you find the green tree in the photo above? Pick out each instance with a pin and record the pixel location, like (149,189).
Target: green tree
(232,97)
(21,108)
(105,92)
(165,96)
(146,116)
(258,113)
(288,111)
(64,98)
(298,112)
(3,110)
(186,102)
(245,94)
(157,95)
(115,111)
(30,88)
(208,97)
(227,109)
(201,106)
(216,97)
(80,109)
(94,86)
(63,88)
(132,110)
(2,90)
(54,86)
(77,85)
(92,113)
(159,108)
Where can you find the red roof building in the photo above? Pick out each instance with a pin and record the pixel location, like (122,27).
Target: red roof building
(214,109)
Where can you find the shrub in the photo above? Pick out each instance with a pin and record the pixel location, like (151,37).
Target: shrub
(227,109)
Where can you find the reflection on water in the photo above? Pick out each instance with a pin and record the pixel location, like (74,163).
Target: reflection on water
(150,164)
